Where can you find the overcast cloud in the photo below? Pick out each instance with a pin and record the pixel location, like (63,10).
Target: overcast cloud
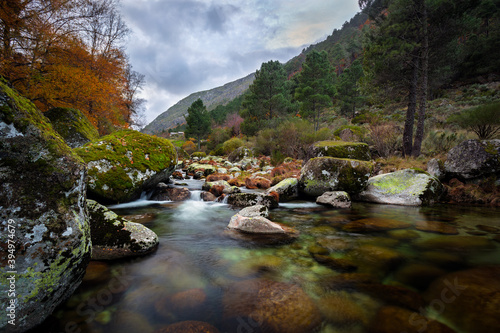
(184,46)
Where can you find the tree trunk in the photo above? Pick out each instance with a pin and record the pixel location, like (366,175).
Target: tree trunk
(412,106)
(419,136)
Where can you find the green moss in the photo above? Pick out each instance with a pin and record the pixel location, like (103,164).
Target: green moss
(342,149)
(72,125)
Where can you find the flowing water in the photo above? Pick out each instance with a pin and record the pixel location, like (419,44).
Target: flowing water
(198,263)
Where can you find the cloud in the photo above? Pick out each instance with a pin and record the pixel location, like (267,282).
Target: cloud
(183,46)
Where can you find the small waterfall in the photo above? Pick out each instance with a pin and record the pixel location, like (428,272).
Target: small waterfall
(196,195)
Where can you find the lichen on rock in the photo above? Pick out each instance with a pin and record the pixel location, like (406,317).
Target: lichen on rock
(473,159)
(342,149)
(42,211)
(124,164)
(73,126)
(114,237)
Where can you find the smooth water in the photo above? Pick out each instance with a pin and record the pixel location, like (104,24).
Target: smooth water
(198,262)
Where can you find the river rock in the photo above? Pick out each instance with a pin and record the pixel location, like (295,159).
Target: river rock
(407,187)
(207,196)
(239,154)
(252,199)
(288,189)
(43,214)
(219,187)
(392,319)
(114,237)
(435,167)
(163,192)
(126,163)
(436,227)
(72,125)
(324,174)
(273,306)
(337,199)
(394,295)
(468,299)
(253,211)
(189,326)
(473,159)
(204,169)
(340,309)
(342,149)
(455,243)
(256,225)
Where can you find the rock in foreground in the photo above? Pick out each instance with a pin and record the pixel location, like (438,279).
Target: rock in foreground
(124,164)
(114,237)
(405,187)
(44,223)
(473,159)
(337,199)
(287,189)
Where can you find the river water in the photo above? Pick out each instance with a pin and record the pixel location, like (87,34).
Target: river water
(198,262)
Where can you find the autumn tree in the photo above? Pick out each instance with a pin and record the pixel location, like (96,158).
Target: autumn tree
(316,86)
(198,121)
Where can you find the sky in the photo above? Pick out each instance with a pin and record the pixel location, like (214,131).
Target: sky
(185,46)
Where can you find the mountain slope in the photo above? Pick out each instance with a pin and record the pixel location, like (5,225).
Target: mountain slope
(211,98)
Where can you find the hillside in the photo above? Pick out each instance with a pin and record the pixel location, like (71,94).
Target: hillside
(211,98)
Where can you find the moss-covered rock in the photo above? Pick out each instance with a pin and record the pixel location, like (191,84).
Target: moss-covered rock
(239,154)
(407,187)
(252,199)
(288,189)
(124,164)
(114,237)
(44,222)
(342,149)
(473,159)
(325,174)
(73,126)
(206,169)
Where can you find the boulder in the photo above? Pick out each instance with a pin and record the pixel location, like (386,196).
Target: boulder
(435,167)
(44,222)
(125,163)
(272,306)
(205,169)
(468,299)
(252,199)
(342,149)
(288,189)
(256,225)
(114,237)
(253,211)
(72,126)
(222,186)
(325,174)
(337,199)
(473,159)
(163,192)
(255,182)
(407,187)
(393,319)
(239,154)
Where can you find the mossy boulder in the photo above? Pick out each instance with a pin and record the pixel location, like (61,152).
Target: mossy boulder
(72,125)
(44,221)
(325,174)
(473,159)
(342,149)
(407,187)
(239,154)
(114,237)
(124,164)
(288,189)
(252,199)
(206,169)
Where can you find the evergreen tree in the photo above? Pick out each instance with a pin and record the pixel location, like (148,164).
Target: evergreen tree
(316,86)
(269,97)
(198,121)
(347,90)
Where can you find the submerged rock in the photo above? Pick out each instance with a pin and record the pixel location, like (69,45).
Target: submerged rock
(375,224)
(436,227)
(392,319)
(273,306)
(468,299)
(407,187)
(473,159)
(114,237)
(337,199)
(256,225)
(124,164)
(73,126)
(324,174)
(190,326)
(455,243)
(342,149)
(44,222)
(340,309)
(288,189)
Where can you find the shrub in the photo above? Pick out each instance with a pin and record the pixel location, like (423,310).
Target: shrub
(199,154)
(484,120)
(231,145)
(441,141)
(266,141)
(386,138)
(217,137)
(218,151)
(189,147)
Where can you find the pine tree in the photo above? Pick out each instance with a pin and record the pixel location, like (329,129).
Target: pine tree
(198,121)
(316,86)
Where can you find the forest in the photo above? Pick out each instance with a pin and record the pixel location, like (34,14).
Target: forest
(383,76)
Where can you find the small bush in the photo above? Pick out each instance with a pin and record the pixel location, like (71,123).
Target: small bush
(198,154)
(189,147)
(386,138)
(484,120)
(441,141)
(231,145)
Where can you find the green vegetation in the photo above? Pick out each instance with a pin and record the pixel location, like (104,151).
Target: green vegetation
(198,121)
(484,120)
